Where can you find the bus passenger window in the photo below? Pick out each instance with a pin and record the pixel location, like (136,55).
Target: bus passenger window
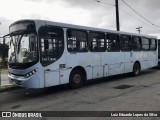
(136,43)
(153,44)
(126,43)
(113,43)
(145,44)
(77,40)
(97,40)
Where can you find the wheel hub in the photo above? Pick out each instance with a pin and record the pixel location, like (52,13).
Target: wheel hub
(77,78)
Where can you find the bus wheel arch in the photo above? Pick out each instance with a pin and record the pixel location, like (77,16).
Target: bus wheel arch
(136,68)
(77,77)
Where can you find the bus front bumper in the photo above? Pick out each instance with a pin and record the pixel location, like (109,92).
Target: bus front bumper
(31,82)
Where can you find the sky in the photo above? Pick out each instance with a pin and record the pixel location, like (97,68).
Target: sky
(84,12)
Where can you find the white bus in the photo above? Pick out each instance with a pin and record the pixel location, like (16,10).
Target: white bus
(158,48)
(44,53)
(158,52)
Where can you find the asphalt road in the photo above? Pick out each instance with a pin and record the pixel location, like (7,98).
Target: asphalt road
(118,93)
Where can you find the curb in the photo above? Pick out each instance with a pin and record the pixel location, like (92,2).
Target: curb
(7,88)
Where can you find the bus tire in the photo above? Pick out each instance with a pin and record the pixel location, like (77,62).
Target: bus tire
(76,79)
(136,69)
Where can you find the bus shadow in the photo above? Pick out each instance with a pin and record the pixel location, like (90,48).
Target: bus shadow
(156,68)
(43,92)
(119,77)
(35,93)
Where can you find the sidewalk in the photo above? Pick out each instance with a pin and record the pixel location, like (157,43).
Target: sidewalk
(4,78)
(5,85)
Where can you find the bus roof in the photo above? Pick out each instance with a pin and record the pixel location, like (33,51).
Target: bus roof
(66,25)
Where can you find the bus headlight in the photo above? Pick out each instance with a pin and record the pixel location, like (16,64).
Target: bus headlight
(31,73)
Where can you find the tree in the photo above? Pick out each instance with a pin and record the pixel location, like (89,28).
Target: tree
(4,53)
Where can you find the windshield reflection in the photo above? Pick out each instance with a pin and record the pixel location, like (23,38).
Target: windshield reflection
(23,48)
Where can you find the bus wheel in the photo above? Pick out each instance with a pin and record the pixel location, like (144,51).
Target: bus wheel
(136,69)
(76,79)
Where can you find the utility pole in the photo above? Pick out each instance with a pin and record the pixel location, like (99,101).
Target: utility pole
(139,29)
(117,15)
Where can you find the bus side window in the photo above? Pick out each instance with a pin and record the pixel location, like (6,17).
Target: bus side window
(145,44)
(126,43)
(32,43)
(136,43)
(97,40)
(112,42)
(51,44)
(77,40)
(153,44)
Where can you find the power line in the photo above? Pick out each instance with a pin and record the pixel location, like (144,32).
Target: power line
(120,10)
(104,3)
(140,14)
(157,27)
(134,5)
(144,22)
(132,16)
(117,12)
(136,18)
(132,2)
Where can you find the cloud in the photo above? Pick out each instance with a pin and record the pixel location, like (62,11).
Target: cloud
(87,4)
(37,1)
(151,4)
(4,26)
(86,12)
(145,8)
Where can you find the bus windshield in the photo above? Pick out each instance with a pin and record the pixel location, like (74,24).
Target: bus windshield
(23,48)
